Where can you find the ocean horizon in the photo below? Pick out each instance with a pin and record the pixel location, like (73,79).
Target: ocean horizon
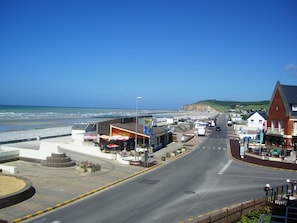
(23,117)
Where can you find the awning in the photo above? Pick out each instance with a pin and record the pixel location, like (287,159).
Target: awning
(105,137)
(119,138)
(112,146)
(91,137)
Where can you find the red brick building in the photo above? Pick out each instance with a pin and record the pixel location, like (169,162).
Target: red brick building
(282,119)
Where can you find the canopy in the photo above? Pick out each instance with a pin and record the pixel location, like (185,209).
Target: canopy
(119,138)
(112,146)
(105,137)
(114,138)
(91,137)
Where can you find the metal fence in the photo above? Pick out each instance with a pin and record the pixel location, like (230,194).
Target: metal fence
(281,195)
(291,216)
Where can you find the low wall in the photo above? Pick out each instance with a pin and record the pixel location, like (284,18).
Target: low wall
(8,169)
(86,149)
(45,149)
(8,154)
(231,214)
(18,196)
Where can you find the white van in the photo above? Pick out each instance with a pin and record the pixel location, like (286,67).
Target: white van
(201,131)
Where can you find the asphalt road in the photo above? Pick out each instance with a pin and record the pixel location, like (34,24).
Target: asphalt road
(201,181)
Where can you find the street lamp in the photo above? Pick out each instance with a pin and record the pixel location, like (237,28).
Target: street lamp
(136,123)
(267,188)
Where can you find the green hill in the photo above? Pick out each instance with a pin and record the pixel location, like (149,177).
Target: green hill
(226,105)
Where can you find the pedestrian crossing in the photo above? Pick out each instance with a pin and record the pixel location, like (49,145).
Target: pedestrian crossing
(214,148)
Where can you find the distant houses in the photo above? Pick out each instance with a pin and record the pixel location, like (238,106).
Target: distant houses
(275,129)
(257,121)
(277,126)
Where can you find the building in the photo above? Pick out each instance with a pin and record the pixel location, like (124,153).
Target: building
(153,137)
(281,131)
(80,130)
(235,117)
(147,135)
(257,121)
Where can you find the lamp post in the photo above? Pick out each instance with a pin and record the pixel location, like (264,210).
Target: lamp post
(288,191)
(267,188)
(136,123)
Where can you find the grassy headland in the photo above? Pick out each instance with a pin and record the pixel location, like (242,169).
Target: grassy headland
(224,106)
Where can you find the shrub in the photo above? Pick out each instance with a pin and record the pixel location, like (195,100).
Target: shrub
(85,165)
(253,216)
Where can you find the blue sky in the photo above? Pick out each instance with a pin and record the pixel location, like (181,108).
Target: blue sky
(105,53)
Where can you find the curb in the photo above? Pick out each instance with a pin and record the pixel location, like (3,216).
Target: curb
(18,196)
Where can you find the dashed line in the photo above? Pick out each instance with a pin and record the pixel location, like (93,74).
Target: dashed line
(218,148)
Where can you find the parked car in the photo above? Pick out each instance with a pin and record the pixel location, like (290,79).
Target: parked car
(218,128)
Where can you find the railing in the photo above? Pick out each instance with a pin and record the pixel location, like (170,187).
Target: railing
(294,132)
(268,218)
(290,216)
(276,131)
(279,195)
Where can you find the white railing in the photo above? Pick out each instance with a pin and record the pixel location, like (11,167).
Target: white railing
(276,131)
(294,132)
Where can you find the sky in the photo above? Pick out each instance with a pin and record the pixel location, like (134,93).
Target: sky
(106,53)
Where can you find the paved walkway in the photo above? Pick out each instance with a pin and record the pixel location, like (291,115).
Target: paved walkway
(57,185)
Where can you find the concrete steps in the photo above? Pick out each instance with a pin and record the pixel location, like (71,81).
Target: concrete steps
(58,160)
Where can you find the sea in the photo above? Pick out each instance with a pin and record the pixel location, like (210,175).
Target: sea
(16,117)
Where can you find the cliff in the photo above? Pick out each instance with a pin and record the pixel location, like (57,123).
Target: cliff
(200,107)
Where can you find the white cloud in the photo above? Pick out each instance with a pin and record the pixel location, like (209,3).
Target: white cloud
(292,68)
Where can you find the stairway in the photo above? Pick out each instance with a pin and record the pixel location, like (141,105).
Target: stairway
(58,160)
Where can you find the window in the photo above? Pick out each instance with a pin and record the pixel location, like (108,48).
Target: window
(280,124)
(272,124)
(294,107)
(295,125)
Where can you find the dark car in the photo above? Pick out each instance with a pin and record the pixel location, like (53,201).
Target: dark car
(218,128)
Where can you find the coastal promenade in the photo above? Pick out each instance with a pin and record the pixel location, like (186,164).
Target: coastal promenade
(54,186)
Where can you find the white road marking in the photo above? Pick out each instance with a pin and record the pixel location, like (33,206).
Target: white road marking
(218,148)
(225,167)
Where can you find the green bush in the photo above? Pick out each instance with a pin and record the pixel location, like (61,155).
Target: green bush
(253,216)
(86,164)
